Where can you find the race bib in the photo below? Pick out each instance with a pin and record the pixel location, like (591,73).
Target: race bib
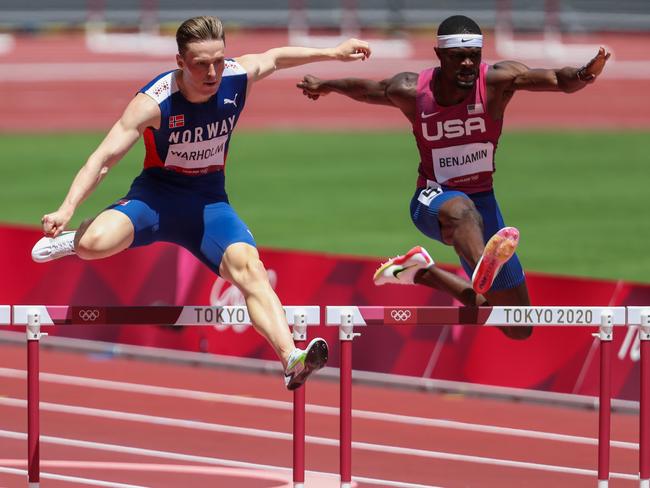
(456,161)
(427,195)
(197,155)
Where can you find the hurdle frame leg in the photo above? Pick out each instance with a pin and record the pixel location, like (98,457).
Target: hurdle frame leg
(299,332)
(644,402)
(605,335)
(346,336)
(33,428)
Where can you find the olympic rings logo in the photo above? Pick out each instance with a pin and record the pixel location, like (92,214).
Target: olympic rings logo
(88,315)
(400,315)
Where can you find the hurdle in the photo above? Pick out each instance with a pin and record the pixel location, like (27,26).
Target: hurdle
(640,316)
(605,318)
(346,318)
(34,317)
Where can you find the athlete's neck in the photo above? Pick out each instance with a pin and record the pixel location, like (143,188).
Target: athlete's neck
(447,92)
(190,95)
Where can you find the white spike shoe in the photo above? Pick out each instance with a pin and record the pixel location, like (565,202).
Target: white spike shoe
(51,248)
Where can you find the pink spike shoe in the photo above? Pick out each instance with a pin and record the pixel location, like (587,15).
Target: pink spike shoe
(498,250)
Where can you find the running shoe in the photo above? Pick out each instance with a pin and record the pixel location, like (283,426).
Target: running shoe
(498,250)
(401,270)
(51,248)
(303,362)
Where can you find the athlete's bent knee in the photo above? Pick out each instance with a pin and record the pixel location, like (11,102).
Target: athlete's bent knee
(250,275)
(89,244)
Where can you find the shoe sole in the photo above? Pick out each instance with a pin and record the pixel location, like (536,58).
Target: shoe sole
(399,260)
(317,354)
(499,249)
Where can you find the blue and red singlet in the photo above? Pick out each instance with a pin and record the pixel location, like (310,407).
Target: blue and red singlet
(193,138)
(180,195)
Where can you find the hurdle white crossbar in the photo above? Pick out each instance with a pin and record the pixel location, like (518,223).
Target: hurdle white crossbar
(481,316)
(153,315)
(5,314)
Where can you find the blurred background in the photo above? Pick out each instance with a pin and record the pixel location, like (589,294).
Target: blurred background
(325,185)
(325,188)
(570,165)
(533,15)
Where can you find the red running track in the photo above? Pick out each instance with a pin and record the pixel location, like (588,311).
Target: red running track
(403,450)
(57,84)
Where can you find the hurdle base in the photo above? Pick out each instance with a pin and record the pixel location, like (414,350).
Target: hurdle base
(645,483)
(603,483)
(298,485)
(346,485)
(34,484)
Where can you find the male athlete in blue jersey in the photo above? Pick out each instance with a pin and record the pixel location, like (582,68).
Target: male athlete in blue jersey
(187,117)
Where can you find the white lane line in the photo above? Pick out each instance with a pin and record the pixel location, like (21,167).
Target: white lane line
(73,479)
(190,457)
(7,43)
(323,441)
(164,421)
(158,468)
(317,409)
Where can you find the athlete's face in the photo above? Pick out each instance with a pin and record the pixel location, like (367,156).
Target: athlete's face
(202,65)
(460,65)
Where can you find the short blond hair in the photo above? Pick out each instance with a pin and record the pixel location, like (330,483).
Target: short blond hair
(197,29)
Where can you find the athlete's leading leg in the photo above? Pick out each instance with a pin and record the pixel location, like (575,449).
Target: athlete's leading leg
(242,266)
(451,217)
(462,222)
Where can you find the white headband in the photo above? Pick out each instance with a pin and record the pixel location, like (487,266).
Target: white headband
(460,40)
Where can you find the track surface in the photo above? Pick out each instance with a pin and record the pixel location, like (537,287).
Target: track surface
(57,84)
(400,436)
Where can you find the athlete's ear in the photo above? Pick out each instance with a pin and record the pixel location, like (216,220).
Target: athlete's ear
(437,51)
(179,61)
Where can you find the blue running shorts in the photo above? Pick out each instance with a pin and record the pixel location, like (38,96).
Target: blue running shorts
(425,206)
(191,211)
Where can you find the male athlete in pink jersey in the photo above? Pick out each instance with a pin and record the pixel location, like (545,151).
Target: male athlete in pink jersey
(186,117)
(456,111)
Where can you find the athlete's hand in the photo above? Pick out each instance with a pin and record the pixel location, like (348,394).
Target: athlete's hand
(54,223)
(313,87)
(352,50)
(590,71)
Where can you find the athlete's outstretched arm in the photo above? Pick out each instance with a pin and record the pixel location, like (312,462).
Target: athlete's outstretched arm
(369,91)
(141,113)
(259,66)
(512,75)
(398,91)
